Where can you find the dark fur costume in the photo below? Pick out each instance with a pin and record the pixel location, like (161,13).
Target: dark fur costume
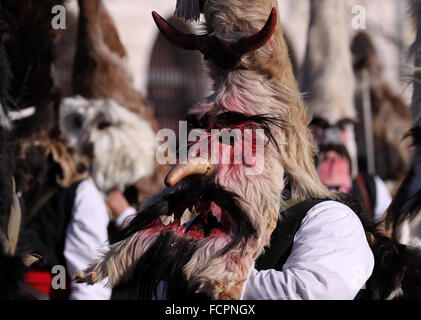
(11,277)
(167,256)
(405,204)
(6,173)
(6,76)
(26,56)
(29,39)
(397,267)
(11,267)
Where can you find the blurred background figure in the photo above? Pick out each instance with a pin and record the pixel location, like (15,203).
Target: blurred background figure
(61,142)
(328,85)
(64,219)
(105,118)
(11,265)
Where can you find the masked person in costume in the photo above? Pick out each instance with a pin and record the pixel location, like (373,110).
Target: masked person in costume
(328,83)
(391,118)
(34,154)
(67,217)
(11,264)
(207,234)
(106,119)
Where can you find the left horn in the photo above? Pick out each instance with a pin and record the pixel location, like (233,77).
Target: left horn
(200,166)
(179,39)
(259,39)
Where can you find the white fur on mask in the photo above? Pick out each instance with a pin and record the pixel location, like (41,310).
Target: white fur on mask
(123,151)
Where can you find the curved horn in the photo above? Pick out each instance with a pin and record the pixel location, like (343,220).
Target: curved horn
(259,39)
(179,39)
(199,165)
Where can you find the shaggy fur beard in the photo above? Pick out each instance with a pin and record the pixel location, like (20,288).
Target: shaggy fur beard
(164,261)
(215,266)
(120,143)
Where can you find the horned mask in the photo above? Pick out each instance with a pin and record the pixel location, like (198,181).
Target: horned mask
(203,233)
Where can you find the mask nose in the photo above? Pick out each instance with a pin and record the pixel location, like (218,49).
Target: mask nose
(200,166)
(332,136)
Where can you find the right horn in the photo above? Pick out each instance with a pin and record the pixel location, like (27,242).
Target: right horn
(179,39)
(255,41)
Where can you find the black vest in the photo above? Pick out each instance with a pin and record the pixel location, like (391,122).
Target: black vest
(282,238)
(289,222)
(364,190)
(45,233)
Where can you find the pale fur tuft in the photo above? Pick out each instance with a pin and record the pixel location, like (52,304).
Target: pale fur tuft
(327,77)
(117,264)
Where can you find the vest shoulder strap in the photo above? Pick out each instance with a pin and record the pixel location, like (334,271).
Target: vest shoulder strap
(289,221)
(364,189)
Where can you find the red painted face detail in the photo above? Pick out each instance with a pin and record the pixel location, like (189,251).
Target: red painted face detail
(238,148)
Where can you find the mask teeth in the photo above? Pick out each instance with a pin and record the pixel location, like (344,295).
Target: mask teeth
(188,9)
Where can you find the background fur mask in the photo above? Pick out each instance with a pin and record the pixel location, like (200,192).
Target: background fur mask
(120,143)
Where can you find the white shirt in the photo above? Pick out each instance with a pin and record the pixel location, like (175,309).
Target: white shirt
(330,259)
(125,217)
(408,230)
(85,235)
(383,199)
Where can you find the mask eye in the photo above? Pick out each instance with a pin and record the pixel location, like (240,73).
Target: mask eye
(320,123)
(341,125)
(75,121)
(194,122)
(102,121)
(102,125)
(227,138)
